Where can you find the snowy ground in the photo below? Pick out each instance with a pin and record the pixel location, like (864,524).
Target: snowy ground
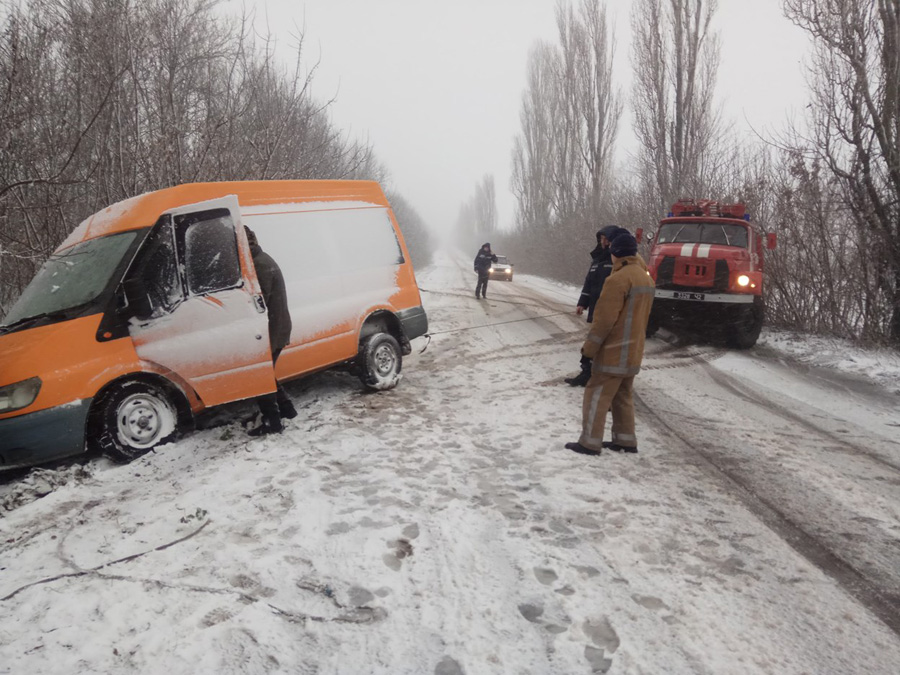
(442,528)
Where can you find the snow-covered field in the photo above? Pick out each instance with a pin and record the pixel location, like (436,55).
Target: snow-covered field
(442,528)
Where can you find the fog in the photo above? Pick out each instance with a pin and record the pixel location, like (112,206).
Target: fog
(436,87)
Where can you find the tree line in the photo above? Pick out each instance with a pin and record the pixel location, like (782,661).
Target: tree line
(101,100)
(828,186)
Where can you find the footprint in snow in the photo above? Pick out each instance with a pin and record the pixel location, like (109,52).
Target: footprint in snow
(597,659)
(215,616)
(649,602)
(555,622)
(545,575)
(602,634)
(402,549)
(448,666)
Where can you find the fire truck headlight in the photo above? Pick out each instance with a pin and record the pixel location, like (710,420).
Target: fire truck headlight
(743,280)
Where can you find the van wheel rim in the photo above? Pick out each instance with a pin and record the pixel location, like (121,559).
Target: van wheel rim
(140,420)
(385,360)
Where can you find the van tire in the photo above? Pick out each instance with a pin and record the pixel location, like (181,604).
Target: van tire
(380,361)
(133,418)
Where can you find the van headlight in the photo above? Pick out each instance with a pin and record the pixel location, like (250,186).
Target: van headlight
(19,395)
(743,280)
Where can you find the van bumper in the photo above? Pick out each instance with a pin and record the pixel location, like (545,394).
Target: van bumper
(43,435)
(413,321)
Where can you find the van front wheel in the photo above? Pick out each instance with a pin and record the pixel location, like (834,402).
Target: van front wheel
(380,361)
(133,418)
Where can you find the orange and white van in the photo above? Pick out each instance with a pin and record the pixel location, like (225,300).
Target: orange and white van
(150,312)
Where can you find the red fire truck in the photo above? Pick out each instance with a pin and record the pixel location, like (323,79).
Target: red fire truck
(707,261)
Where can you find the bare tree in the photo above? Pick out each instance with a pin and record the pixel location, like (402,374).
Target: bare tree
(532,163)
(105,99)
(855,80)
(675,59)
(478,215)
(562,158)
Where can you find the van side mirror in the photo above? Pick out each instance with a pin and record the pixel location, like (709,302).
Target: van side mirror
(639,234)
(770,241)
(136,299)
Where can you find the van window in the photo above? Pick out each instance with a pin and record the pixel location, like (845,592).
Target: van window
(158,270)
(210,251)
(72,278)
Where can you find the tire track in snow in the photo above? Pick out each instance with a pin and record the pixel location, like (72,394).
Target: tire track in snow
(884,603)
(742,390)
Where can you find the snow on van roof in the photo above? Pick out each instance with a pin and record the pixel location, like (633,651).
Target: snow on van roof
(143,210)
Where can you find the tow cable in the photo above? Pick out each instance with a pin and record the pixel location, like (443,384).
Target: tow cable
(429,335)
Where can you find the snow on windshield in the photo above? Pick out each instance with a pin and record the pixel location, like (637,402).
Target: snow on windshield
(72,278)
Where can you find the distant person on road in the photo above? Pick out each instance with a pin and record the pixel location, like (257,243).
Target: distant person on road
(616,345)
(601,266)
(483,268)
(276,405)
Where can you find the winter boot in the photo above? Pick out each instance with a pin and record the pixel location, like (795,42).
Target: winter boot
(579,380)
(619,448)
(271,419)
(580,449)
(286,409)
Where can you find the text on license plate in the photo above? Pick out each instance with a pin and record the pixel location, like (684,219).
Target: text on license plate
(685,295)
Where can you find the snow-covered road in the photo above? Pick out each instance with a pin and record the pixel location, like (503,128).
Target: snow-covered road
(442,528)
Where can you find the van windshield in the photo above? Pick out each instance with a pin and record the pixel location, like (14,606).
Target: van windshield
(726,234)
(72,278)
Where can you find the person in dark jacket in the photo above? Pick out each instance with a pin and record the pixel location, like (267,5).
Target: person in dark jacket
(601,266)
(276,405)
(482,267)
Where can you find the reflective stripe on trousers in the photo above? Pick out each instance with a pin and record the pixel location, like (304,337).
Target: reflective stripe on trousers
(605,392)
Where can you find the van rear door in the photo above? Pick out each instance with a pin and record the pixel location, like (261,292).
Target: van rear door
(207,322)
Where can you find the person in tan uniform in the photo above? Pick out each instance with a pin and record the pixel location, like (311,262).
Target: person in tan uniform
(616,345)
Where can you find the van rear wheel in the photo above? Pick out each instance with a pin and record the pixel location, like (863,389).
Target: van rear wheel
(380,361)
(133,418)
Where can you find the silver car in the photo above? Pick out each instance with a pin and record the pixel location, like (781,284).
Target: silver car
(502,269)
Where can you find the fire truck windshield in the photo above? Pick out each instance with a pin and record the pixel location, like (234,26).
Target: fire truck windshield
(726,234)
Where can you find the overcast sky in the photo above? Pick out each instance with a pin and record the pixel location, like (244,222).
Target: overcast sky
(436,85)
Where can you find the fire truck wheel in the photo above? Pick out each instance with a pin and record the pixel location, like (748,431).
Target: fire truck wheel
(745,329)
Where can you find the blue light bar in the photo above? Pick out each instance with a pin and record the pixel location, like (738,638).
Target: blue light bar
(747,217)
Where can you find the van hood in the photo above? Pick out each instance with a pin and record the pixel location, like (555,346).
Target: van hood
(34,351)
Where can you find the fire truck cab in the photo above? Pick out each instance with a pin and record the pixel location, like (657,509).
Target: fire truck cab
(707,261)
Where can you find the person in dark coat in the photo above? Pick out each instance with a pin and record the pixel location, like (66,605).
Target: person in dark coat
(278,404)
(482,267)
(601,266)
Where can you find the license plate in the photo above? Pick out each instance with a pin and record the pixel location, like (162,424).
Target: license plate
(684,295)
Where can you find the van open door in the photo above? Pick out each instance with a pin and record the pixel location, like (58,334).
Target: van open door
(196,303)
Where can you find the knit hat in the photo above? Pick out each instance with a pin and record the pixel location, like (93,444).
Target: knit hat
(623,244)
(606,232)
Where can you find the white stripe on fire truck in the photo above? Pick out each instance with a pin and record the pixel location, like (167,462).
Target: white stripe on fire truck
(703,251)
(687,250)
